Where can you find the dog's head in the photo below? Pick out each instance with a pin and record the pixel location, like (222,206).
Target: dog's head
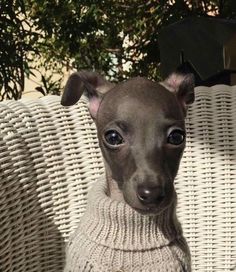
(141,132)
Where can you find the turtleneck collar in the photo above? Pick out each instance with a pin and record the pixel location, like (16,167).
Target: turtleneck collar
(116,225)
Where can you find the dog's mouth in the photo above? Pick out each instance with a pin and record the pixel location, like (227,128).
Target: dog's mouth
(146,211)
(149,211)
(154,209)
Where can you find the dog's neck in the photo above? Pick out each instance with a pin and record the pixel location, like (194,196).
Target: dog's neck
(113,190)
(107,218)
(133,240)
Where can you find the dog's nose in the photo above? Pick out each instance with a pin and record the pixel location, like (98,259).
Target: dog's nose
(150,194)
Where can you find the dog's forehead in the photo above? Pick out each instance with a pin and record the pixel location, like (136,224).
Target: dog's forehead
(136,87)
(139,96)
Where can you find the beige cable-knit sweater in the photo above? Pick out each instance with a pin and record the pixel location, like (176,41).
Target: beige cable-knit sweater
(113,237)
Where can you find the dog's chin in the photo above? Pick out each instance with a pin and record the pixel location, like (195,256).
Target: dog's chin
(151,211)
(148,211)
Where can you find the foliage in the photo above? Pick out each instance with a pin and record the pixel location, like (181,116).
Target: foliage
(117,37)
(16,39)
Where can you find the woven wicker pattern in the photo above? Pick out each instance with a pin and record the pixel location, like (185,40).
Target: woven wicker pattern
(206,182)
(49,157)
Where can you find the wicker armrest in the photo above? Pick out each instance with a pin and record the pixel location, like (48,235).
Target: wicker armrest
(206,183)
(49,157)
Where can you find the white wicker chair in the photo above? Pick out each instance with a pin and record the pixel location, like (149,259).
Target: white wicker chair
(49,157)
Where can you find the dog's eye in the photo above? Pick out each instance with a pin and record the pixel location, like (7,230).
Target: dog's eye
(176,137)
(112,137)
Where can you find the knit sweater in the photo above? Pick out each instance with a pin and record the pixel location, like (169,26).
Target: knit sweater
(113,237)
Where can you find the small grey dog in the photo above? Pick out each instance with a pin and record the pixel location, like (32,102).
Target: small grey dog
(141,132)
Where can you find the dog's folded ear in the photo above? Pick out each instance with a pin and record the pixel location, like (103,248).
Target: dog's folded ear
(183,86)
(94,86)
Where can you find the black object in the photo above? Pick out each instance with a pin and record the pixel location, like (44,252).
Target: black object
(204,46)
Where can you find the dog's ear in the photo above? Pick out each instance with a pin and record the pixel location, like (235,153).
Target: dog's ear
(94,86)
(183,87)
